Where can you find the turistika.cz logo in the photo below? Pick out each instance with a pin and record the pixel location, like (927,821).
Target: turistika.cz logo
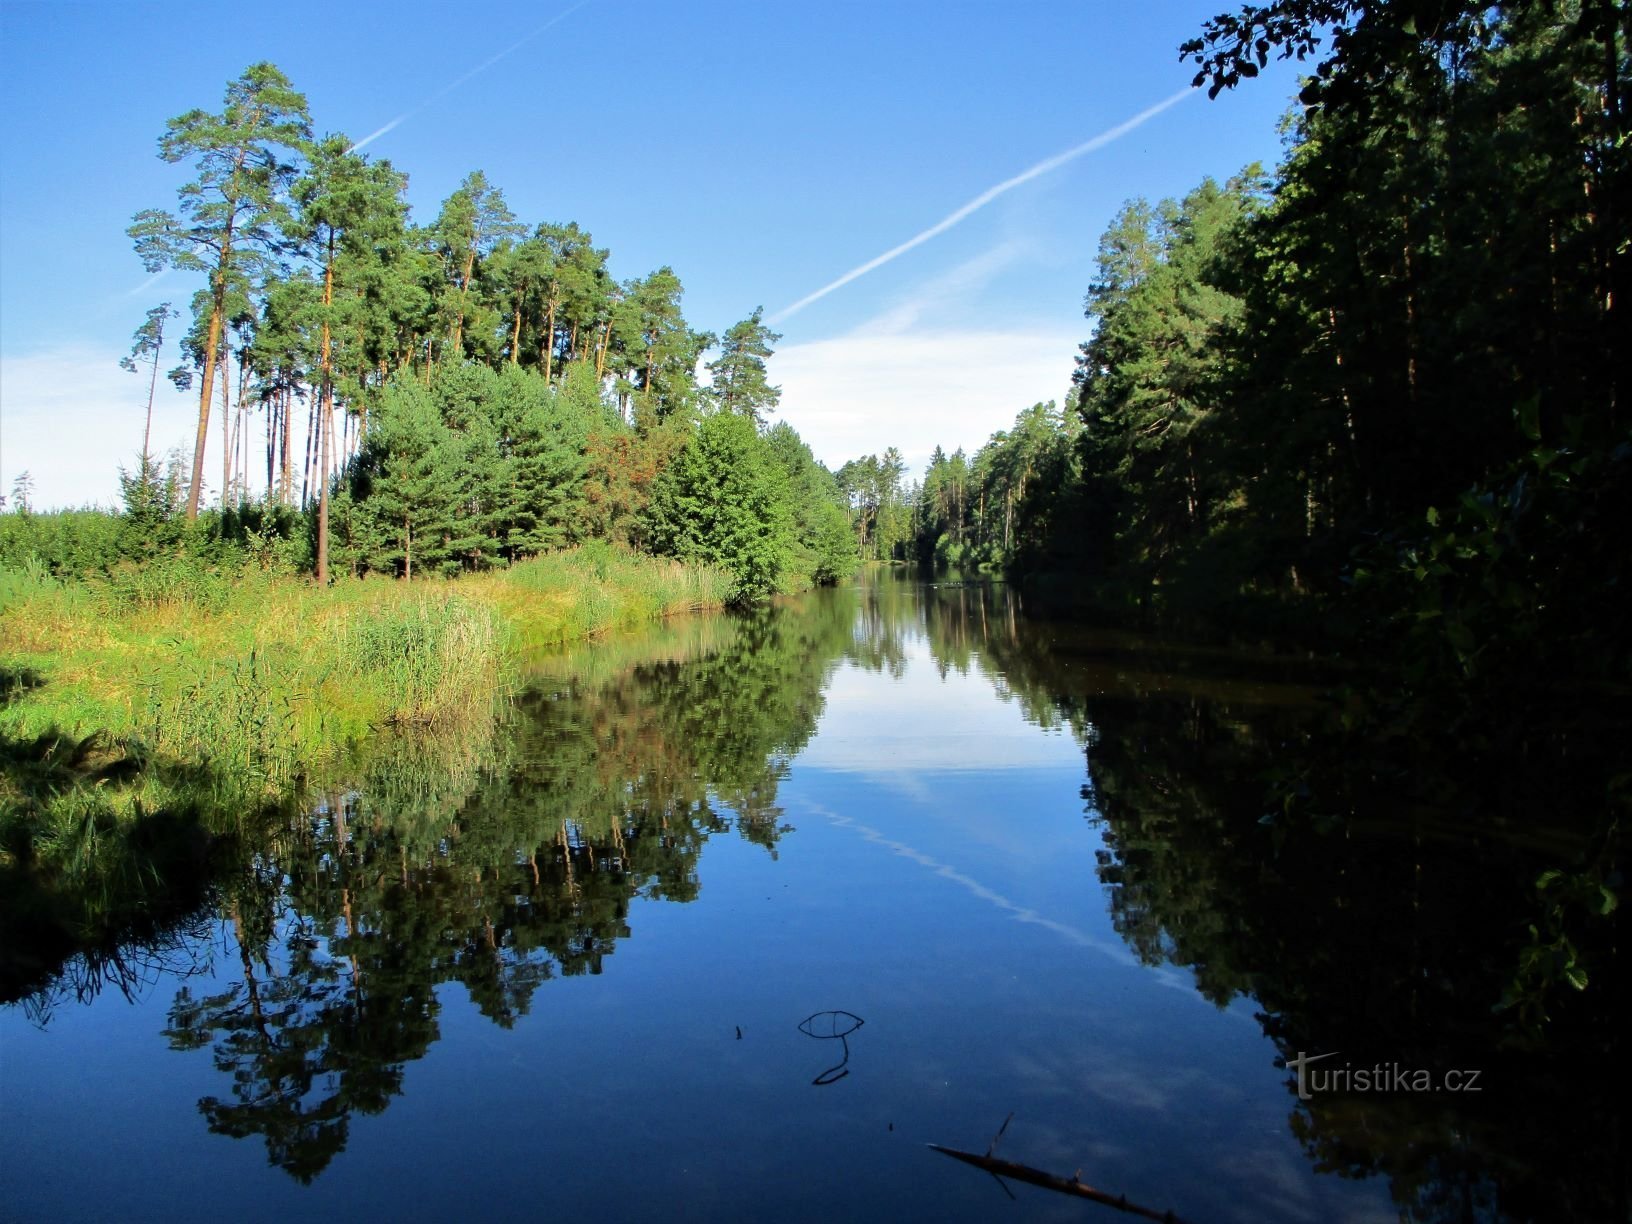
(1346,1078)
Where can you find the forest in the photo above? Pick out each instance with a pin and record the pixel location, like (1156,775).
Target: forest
(1318,568)
(439,398)
(1365,404)
(1377,385)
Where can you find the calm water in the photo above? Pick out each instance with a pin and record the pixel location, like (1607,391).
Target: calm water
(564,974)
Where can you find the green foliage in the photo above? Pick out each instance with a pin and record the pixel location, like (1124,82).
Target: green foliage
(329,297)
(739,380)
(431,654)
(823,550)
(724,501)
(871,487)
(63,542)
(229,213)
(1374,405)
(1149,393)
(479,470)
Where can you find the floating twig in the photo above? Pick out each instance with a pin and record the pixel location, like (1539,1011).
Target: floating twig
(1062,1185)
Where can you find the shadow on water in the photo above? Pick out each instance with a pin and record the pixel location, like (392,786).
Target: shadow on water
(1369,904)
(1374,900)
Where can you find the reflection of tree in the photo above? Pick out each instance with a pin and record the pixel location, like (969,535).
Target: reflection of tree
(499,868)
(1379,928)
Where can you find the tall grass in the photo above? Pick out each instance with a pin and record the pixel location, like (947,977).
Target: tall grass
(587,591)
(260,681)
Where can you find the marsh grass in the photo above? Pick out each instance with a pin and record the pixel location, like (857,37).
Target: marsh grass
(156,714)
(262,681)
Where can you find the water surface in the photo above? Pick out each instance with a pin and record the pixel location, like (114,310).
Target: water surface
(564,971)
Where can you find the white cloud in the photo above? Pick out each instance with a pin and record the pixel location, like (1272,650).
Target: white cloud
(953,292)
(69,416)
(925,372)
(919,388)
(930,369)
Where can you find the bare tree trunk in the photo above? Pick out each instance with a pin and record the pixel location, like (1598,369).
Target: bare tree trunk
(226,424)
(271,411)
(311,451)
(326,422)
(212,342)
(549,343)
(152,387)
(464,291)
(515,334)
(286,397)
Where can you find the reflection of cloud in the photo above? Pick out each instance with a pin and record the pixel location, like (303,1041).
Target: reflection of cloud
(1115,950)
(1256,1174)
(69,416)
(969,730)
(1107,1074)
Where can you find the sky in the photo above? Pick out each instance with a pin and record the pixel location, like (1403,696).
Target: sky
(764,151)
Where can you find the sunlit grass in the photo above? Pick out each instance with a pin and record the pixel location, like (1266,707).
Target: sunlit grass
(263,680)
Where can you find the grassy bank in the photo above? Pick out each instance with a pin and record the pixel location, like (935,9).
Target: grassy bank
(129,691)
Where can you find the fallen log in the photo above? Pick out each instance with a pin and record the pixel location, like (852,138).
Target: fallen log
(1061,1185)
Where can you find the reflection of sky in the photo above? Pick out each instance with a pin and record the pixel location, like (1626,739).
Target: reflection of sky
(883,726)
(942,882)
(942,773)
(939,878)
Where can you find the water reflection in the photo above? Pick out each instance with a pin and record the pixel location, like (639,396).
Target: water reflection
(333,948)
(1389,927)
(515,866)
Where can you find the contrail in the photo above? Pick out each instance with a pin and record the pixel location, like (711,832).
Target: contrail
(1024,914)
(986,197)
(480,68)
(1165,975)
(148,283)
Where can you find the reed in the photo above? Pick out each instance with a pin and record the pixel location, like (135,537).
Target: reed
(257,682)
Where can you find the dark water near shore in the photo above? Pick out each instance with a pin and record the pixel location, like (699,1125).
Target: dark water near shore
(564,974)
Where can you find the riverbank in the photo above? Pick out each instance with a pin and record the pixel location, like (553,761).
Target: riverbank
(118,696)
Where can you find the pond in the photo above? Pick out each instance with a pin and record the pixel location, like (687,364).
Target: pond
(733,917)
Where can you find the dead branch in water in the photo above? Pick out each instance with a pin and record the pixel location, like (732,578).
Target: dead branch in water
(1073,1185)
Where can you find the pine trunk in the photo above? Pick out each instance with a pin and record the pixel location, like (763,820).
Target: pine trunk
(549,342)
(285,395)
(464,292)
(212,341)
(226,426)
(152,387)
(325,423)
(515,334)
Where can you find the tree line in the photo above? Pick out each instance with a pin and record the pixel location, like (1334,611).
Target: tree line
(474,389)
(1370,403)
(1380,383)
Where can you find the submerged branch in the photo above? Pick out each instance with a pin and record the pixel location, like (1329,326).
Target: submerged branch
(1072,1185)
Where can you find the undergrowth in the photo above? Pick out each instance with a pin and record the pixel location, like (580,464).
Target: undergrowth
(258,681)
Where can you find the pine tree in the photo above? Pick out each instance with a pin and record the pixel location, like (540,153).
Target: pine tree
(146,347)
(724,501)
(347,210)
(228,212)
(739,378)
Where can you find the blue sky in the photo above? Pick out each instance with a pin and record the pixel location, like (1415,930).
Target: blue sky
(760,149)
